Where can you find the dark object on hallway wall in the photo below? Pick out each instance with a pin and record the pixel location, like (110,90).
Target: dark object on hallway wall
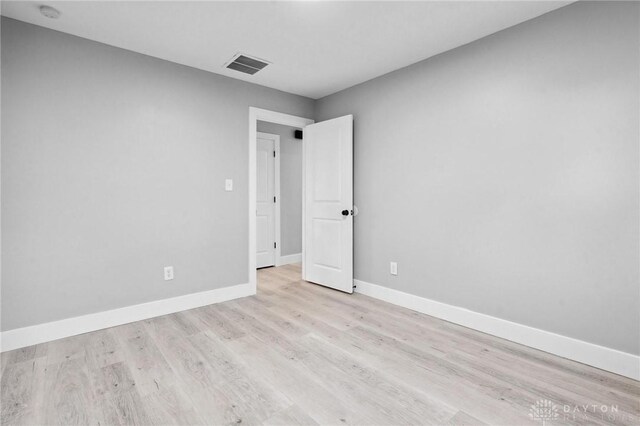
(297,134)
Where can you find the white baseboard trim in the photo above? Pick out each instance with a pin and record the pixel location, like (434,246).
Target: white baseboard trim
(40,333)
(608,359)
(288,259)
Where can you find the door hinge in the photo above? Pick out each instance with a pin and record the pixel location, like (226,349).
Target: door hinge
(274,154)
(274,199)
(274,245)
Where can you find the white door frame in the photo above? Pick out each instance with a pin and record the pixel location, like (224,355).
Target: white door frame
(276,173)
(255,115)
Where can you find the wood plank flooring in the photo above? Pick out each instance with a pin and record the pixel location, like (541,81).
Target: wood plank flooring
(301,354)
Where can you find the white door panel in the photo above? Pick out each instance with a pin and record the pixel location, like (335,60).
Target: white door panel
(328,246)
(265,203)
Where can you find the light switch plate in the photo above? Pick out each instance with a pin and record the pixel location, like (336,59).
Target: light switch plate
(228,185)
(393,268)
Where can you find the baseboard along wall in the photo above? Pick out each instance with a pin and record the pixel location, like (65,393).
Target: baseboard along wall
(289,259)
(40,333)
(608,359)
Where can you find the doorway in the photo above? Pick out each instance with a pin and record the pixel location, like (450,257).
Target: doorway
(327,198)
(265,118)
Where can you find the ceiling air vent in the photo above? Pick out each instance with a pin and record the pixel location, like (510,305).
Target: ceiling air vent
(246,64)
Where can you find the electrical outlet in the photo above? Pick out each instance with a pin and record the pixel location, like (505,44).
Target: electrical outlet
(168,273)
(393,268)
(228,185)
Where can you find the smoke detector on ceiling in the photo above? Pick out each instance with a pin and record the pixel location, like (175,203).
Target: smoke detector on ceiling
(49,12)
(246,64)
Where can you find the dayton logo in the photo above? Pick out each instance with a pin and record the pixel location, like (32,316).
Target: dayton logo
(543,410)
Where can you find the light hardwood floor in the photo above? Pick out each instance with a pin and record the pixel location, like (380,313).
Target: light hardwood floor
(298,353)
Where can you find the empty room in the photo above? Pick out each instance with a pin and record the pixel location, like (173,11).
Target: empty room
(371,213)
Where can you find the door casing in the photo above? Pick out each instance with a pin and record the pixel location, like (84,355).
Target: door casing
(255,115)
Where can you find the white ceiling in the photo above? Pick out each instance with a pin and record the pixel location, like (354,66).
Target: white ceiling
(316,47)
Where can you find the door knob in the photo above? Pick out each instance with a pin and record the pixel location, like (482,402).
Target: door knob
(345,212)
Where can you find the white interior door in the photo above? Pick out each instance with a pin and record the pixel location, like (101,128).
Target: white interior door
(328,203)
(265,202)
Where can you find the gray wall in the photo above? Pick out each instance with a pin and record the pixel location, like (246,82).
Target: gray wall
(502,176)
(290,187)
(113,166)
